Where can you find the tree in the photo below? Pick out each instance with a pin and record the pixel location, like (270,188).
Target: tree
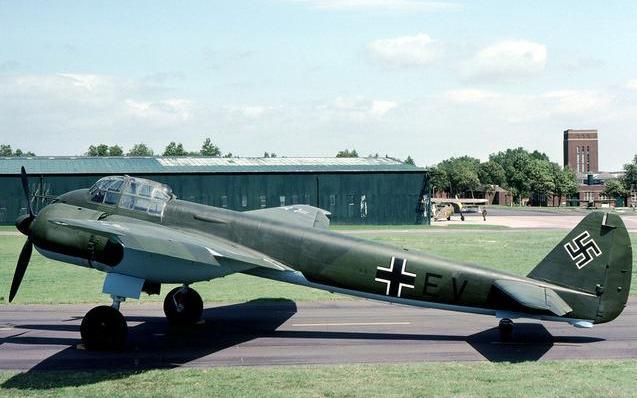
(565,182)
(540,156)
(174,149)
(347,154)
(461,173)
(115,150)
(541,177)
(104,150)
(209,149)
(410,161)
(6,151)
(491,173)
(438,179)
(140,150)
(97,150)
(615,189)
(516,163)
(630,176)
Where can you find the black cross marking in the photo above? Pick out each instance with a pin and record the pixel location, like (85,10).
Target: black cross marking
(395,277)
(583,249)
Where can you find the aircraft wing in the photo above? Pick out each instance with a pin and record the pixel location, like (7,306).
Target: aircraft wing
(302,215)
(533,296)
(180,245)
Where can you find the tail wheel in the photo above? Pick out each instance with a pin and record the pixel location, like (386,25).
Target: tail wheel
(183,306)
(506,329)
(104,328)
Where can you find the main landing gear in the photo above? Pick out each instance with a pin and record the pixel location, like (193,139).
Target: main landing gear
(104,327)
(183,306)
(506,329)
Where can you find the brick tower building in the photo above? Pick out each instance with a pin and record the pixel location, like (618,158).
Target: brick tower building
(581,151)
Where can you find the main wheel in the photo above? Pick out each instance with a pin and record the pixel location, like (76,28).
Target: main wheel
(462,218)
(506,329)
(104,328)
(183,306)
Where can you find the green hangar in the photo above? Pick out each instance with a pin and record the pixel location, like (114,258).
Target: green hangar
(353,190)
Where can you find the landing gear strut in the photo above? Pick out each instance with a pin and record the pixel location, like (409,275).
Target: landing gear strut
(183,306)
(104,327)
(506,329)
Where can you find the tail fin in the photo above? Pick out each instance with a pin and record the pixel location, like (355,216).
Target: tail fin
(595,257)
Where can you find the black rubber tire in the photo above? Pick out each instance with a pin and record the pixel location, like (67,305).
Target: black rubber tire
(192,306)
(449,218)
(104,328)
(461,218)
(506,330)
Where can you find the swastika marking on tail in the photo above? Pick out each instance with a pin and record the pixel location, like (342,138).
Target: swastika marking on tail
(583,249)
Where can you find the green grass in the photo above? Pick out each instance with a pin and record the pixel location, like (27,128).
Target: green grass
(529,379)
(517,251)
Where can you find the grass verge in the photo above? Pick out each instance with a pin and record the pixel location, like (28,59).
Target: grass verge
(478,379)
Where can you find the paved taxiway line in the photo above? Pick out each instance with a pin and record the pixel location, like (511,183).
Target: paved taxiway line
(350,324)
(284,332)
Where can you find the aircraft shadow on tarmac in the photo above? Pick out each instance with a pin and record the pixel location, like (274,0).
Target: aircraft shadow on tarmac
(154,344)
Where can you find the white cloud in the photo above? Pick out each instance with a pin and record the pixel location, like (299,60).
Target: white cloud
(527,107)
(382,107)
(249,111)
(417,50)
(471,96)
(172,111)
(632,84)
(355,109)
(507,59)
(380,5)
(64,113)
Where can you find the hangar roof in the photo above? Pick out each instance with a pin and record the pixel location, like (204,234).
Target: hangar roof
(171,165)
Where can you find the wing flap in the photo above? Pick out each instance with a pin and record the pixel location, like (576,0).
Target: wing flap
(534,296)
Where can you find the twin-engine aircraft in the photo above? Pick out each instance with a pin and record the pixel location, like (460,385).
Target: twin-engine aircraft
(139,234)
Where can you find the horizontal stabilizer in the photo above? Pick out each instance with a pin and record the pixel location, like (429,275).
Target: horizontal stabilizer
(533,296)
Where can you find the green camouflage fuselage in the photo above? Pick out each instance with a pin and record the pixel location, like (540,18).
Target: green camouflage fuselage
(332,261)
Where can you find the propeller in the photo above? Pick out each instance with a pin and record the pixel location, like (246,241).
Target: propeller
(23,223)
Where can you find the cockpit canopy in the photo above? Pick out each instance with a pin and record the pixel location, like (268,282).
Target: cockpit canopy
(132,193)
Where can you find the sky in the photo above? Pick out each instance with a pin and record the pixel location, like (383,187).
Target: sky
(311,77)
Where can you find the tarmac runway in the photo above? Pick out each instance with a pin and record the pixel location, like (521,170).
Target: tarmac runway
(277,332)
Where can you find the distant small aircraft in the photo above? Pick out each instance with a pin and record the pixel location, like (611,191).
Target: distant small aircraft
(138,233)
(445,208)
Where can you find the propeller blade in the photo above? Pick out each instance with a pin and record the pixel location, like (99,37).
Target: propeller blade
(23,262)
(25,187)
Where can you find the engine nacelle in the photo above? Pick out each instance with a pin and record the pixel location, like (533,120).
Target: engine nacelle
(55,238)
